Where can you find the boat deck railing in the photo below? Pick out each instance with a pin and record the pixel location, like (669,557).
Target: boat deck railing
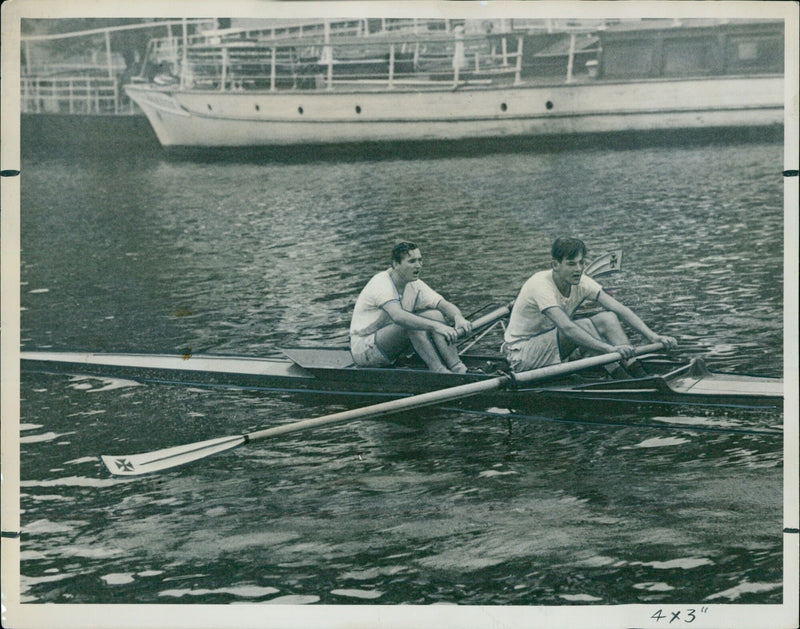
(169,49)
(82,83)
(74,95)
(390,62)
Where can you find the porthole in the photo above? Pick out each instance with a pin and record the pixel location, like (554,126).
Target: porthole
(503,107)
(549,104)
(358,109)
(209,107)
(258,108)
(300,110)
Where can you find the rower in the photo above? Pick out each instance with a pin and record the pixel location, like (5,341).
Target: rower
(395,308)
(542,330)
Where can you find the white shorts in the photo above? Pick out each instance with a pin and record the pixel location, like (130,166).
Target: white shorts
(537,351)
(366,352)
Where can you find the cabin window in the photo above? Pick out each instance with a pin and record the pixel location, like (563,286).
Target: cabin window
(628,59)
(747,51)
(687,58)
(754,54)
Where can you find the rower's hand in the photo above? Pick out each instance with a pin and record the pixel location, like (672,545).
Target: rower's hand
(668,342)
(626,351)
(462,326)
(450,334)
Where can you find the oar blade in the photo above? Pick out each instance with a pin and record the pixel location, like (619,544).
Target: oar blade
(606,263)
(138,464)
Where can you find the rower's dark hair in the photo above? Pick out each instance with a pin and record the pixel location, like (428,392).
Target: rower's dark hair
(401,250)
(567,248)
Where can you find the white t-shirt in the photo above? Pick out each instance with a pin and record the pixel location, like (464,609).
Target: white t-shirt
(537,295)
(369,315)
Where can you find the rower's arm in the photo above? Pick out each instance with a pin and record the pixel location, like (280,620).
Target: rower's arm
(576,333)
(409,320)
(453,313)
(632,319)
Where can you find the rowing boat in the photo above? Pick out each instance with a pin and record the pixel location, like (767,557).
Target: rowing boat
(410,385)
(331,371)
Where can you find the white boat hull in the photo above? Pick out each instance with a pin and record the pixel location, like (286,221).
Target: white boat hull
(204,118)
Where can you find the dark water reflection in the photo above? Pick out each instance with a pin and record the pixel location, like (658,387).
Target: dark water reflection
(145,253)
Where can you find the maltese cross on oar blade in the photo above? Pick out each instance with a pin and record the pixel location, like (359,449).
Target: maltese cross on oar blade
(123,465)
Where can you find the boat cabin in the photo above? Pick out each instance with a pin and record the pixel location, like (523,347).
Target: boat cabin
(657,50)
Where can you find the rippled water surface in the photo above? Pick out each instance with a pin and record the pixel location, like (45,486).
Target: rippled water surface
(147,253)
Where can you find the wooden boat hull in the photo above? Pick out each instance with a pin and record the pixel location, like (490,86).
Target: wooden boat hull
(330,371)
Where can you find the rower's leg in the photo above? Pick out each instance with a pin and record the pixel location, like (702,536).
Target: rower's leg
(392,340)
(588,325)
(610,328)
(597,329)
(426,350)
(446,354)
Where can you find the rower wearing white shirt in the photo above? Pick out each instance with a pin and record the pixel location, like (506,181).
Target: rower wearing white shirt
(395,308)
(542,330)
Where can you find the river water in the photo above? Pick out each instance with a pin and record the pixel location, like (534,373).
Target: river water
(146,252)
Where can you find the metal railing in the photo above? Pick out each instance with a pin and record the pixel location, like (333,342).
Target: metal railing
(453,60)
(169,49)
(74,95)
(36,61)
(311,54)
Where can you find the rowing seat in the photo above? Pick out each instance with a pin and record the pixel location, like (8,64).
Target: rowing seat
(320,357)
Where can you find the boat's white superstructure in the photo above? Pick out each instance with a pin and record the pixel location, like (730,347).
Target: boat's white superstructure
(452,87)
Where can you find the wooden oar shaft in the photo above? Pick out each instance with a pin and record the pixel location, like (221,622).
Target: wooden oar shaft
(447,395)
(491,317)
(134,465)
(386,408)
(572,366)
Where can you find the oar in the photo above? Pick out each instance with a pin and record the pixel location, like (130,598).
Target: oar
(485,321)
(490,318)
(606,263)
(137,464)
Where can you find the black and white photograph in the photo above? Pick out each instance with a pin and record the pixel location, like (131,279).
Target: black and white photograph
(399,315)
